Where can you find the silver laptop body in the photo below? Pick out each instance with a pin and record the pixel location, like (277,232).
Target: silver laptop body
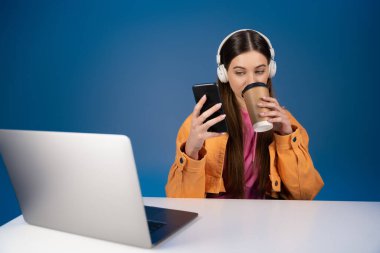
(85,184)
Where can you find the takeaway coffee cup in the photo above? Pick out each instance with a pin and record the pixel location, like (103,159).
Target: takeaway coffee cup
(252,95)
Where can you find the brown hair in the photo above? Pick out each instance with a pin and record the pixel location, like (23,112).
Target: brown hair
(233,173)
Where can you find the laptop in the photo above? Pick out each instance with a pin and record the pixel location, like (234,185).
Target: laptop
(85,184)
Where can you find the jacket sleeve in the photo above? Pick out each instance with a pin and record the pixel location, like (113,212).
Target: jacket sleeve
(294,163)
(186,177)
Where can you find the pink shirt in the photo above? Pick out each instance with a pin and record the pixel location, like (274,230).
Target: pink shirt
(251,173)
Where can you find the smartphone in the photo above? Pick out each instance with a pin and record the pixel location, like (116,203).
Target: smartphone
(211,90)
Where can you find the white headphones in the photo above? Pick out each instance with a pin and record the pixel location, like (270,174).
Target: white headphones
(222,71)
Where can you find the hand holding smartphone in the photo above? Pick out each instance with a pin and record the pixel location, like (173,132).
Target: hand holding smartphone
(211,91)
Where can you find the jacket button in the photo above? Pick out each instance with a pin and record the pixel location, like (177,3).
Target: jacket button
(276,183)
(181,160)
(294,139)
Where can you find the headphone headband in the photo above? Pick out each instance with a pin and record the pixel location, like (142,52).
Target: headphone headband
(229,35)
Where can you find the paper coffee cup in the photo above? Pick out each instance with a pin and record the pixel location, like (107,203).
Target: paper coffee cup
(252,95)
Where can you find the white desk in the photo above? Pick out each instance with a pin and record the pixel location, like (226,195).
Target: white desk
(230,226)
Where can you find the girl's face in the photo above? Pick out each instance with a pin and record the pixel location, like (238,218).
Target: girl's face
(246,68)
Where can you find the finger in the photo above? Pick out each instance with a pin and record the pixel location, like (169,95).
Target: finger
(270,99)
(269,105)
(275,120)
(271,114)
(209,112)
(198,106)
(213,121)
(274,100)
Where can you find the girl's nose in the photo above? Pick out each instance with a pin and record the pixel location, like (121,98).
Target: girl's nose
(251,78)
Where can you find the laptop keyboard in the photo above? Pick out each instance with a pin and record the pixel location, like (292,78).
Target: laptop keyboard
(154,225)
(155,216)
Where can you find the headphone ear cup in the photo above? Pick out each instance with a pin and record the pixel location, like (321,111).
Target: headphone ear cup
(222,73)
(272,68)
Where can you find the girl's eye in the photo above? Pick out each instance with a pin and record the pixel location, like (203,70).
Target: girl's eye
(260,72)
(239,73)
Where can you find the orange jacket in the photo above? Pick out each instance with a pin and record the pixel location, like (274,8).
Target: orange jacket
(290,166)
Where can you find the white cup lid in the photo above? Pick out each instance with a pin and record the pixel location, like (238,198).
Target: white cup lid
(262,126)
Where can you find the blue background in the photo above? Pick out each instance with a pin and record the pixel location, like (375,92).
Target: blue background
(128,67)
